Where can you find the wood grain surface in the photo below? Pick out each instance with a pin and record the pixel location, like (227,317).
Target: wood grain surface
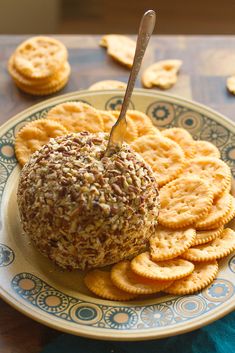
(207,61)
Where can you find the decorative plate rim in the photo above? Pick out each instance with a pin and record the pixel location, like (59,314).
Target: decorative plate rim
(94,332)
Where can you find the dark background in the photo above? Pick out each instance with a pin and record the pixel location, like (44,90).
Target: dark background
(115,16)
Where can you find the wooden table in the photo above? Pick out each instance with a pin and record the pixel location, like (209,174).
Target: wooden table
(207,61)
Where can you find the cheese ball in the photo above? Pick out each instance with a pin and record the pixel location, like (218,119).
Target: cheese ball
(84,210)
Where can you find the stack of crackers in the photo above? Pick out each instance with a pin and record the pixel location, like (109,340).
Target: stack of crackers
(196,203)
(39,66)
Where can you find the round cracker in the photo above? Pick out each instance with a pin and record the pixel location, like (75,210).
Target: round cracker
(34,135)
(164,270)
(99,283)
(120,48)
(205,149)
(162,74)
(77,117)
(108,118)
(216,172)
(142,122)
(43,84)
(204,236)
(216,249)
(164,156)
(203,274)
(107,84)
(40,57)
(183,138)
(218,212)
(124,278)
(169,243)
(37,91)
(184,201)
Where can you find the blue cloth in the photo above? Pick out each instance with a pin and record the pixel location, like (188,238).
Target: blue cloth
(218,337)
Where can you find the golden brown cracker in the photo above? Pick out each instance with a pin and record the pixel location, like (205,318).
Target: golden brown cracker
(77,117)
(164,270)
(218,212)
(203,274)
(183,138)
(34,135)
(184,201)
(107,84)
(162,74)
(120,48)
(205,149)
(169,243)
(124,278)
(205,236)
(40,57)
(220,247)
(213,170)
(99,283)
(164,156)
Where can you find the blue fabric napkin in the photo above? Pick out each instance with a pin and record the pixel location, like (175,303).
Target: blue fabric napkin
(218,337)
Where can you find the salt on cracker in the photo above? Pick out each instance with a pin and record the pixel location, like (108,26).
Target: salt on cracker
(213,170)
(169,243)
(218,212)
(203,275)
(77,117)
(34,135)
(107,84)
(164,156)
(216,249)
(204,236)
(184,201)
(183,138)
(164,270)
(162,74)
(205,149)
(120,48)
(99,283)
(124,278)
(40,57)
(131,133)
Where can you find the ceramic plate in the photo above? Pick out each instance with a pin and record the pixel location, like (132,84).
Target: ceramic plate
(34,286)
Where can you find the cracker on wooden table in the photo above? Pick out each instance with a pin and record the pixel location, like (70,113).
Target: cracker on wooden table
(173,269)
(34,135)
(218,212)
(164,156)
(184,201)
(124,278)
(202,275)
(44,83)
(99,283)
(48,88)
(77,117)
(218,248)
(231,84)
(40,57)
(205,236)
(120,48)
(169,243)
(213,170)
(162,74)
(107,84)
(131,131)
(205,149)
(183,138)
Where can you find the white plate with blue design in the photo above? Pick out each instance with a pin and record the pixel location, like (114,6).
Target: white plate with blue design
(34,286)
